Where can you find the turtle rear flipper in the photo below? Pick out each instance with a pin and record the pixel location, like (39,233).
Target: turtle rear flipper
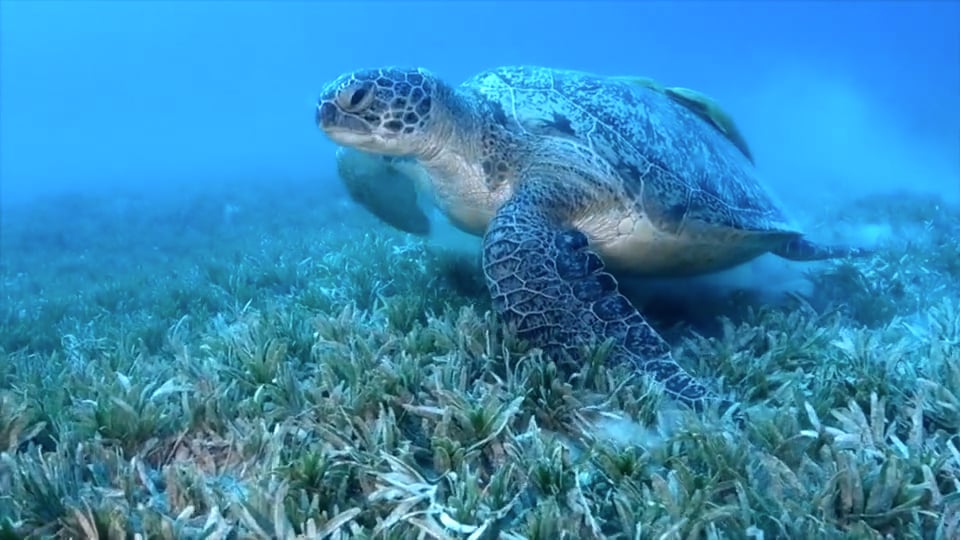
(546,281)
(801,249)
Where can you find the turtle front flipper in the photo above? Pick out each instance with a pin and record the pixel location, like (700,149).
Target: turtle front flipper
(377,183)
(546,281)
(801,249)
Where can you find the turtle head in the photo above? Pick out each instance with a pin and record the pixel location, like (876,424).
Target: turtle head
(387,111)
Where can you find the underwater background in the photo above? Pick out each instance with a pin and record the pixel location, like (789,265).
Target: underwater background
(203,335)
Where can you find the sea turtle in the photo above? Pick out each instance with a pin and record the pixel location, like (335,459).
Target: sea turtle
(390,187)
(570,177)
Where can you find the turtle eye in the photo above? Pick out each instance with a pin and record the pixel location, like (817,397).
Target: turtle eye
(356,98)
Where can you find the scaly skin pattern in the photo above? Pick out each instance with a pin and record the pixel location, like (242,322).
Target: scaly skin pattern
(550,286)
(570,176)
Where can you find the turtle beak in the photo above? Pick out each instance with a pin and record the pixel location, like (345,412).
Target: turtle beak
(343,128)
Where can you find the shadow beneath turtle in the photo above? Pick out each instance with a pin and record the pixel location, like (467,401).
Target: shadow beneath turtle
(676,306)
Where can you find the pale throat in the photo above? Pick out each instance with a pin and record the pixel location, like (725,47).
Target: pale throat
(459,189)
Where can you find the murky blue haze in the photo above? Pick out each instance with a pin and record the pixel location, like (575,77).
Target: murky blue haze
(863,95)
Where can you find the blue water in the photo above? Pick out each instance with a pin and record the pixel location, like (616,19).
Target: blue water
(863,95)
(169,210)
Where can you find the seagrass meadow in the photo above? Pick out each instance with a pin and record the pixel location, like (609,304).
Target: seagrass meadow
(254,361)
